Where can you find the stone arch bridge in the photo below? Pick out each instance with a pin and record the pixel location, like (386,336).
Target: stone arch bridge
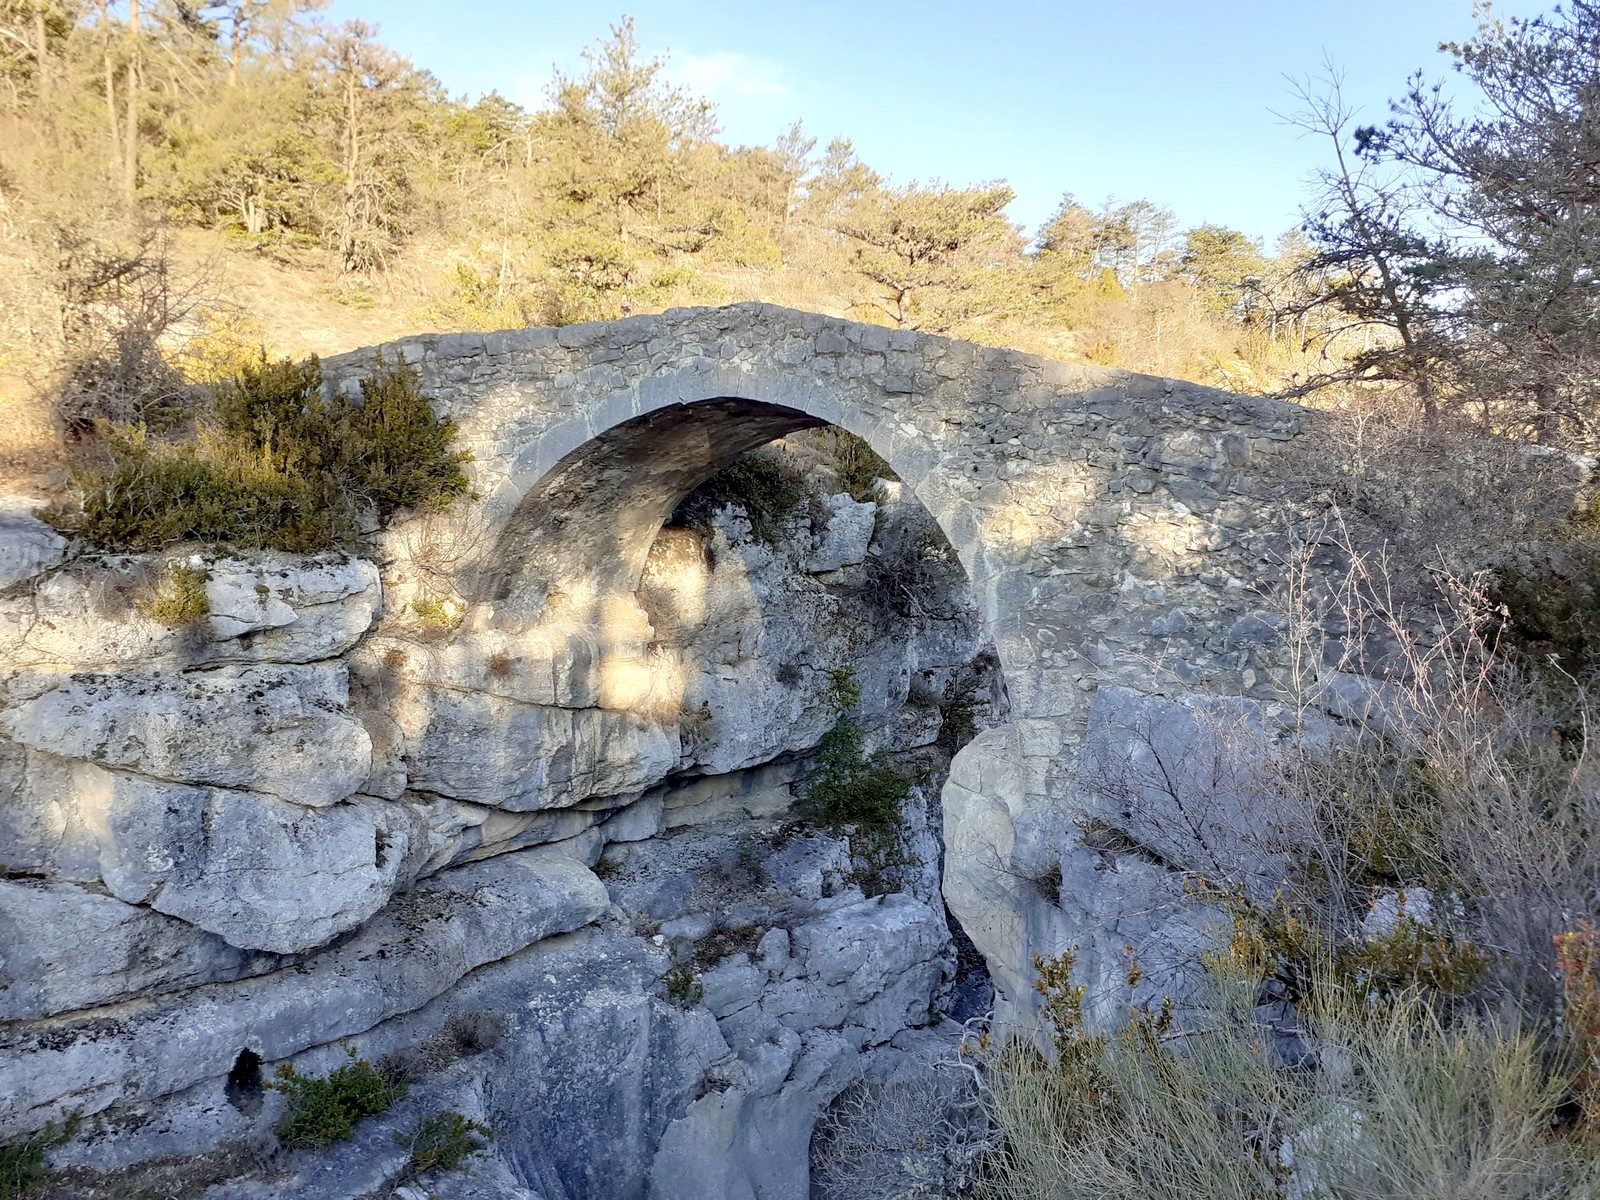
(1115,529)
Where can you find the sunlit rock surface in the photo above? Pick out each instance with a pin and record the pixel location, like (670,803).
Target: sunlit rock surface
(512,793)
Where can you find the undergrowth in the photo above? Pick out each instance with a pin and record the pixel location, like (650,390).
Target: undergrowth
(325,1110)
(22,1161)
(1404,1100)
(1407,1003)
(274,464)
(683,986)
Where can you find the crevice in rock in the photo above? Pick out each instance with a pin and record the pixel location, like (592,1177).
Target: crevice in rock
(246,1088)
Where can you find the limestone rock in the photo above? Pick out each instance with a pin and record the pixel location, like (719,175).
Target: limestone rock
(875,965)
(42,829)
(982,802)
(28,547)
(85,615)
(271,608)
(260,873)
(64,948)
(845,534)
(417,948)
(754,1139)
(458,832)
(1180,777)
(522,757)
(550,662)
(278,729)
(291,611)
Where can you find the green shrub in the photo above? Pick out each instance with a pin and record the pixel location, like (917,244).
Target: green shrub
(180,599)
(392,449)
(857,464)
(154,496)
(441,1141)
(849,786)
(773,493)
(277,410)
(279,467)
(389,451)
(327,1110)
(22,1161)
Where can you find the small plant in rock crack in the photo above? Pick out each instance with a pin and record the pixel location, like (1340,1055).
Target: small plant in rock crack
(325,1110)
(22,1161)
(683,986)
(849,786)
(180,598)
(441,1141)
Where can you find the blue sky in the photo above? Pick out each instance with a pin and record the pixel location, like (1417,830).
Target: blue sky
(1163,99)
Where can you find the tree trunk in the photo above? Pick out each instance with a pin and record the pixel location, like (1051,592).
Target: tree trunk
(41,53)
(130,146)
(111,92)
(349,258)
(236,33)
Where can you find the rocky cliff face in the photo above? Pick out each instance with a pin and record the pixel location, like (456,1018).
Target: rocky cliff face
(551,863)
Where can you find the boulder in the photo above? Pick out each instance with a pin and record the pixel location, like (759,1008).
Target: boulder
(284,730)
(260,873)
(85,615)
(64,948)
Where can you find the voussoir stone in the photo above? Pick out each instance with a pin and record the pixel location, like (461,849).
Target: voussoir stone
(284,729)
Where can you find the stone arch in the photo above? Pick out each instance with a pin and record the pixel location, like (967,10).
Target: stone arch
(618,436)
(1112,526)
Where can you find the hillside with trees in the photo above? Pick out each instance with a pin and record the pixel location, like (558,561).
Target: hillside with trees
(182,185)
(1401,951)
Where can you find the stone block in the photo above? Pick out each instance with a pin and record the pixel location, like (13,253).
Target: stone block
(282,729)
(258,872)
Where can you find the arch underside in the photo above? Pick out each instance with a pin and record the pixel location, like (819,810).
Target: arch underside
(590,521)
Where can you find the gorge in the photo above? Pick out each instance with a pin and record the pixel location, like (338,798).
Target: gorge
(517,795)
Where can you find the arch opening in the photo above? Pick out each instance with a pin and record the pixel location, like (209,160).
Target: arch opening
(584,555)
(690,618)
(594,515)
